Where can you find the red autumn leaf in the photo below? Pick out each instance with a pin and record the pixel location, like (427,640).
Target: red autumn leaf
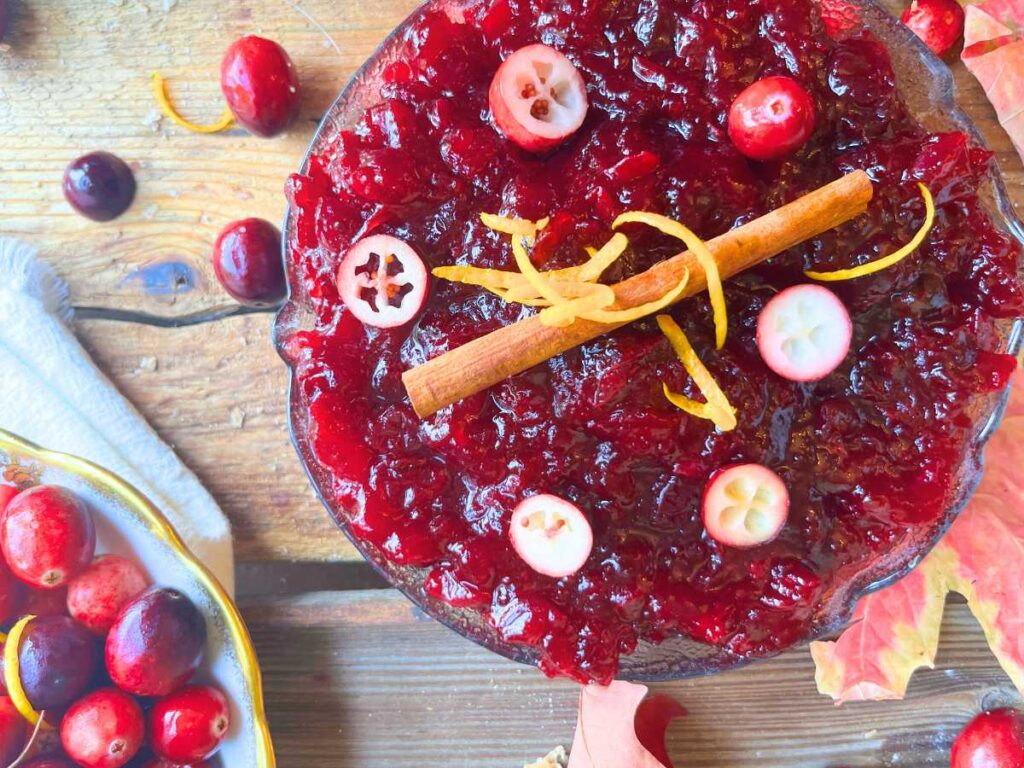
(981,557)
(619,727)
(994,54)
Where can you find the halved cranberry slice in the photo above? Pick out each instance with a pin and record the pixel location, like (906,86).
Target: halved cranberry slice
(745,505)
(538,98)
(804,333)
(382,281)
(551,535)
(771,118)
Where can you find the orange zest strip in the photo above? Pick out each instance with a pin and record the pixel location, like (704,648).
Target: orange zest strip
(893,258)
(717,408)
(12,673)
(704,257)
(227,120)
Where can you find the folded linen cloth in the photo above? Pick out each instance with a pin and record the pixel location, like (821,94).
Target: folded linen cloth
(53,394)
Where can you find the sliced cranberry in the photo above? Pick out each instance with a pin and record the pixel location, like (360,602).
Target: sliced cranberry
(100,186)
(247,261)
(939,23)
(804,333)
(260,85)
(382,281)
(991,740)
(772,118)
(47,536)
(551,535)
(538,98)
(103,730)
(745,505)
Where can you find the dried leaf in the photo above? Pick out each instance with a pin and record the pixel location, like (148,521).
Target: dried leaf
(896,629)
(618,726)
(994,54)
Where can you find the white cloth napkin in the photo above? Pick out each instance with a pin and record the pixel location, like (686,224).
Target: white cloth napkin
(53,394)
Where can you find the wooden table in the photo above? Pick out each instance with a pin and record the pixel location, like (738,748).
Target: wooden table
(355,676)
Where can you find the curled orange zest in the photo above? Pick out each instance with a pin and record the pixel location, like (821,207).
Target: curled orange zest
(893,258)
(704,257)
(227,120)
(717,408)
(12,673)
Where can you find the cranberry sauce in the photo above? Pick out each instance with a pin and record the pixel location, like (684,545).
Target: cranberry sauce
(869,454)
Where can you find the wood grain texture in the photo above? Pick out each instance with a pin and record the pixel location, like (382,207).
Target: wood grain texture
(76,78)
(378,684)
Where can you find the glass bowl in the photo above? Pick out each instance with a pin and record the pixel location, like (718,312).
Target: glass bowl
(926,85)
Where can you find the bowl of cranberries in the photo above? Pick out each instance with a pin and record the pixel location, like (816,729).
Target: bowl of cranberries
(620,510)
(119,648)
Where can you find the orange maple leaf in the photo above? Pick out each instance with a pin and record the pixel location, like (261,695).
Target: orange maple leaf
(896,630)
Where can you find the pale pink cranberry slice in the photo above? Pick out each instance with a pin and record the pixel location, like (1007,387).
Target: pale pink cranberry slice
(771,118)
(382,281)
(745,505)
(804,333)
(538,98)
(551,535)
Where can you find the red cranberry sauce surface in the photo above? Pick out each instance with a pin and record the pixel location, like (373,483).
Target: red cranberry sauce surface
(868,454)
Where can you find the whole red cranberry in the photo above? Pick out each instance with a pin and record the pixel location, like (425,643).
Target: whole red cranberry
(47,536)
(939,23)
(100,186)
(7,492)
(771,118)
(156,644)
(13,731)
(97,595)
(150,760)
(189,725)
(991,740)
(260,85)
(103,730)
(247,260)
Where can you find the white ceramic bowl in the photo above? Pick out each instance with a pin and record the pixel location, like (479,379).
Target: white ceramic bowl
(128,524)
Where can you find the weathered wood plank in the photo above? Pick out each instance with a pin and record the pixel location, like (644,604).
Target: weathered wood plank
(375,683)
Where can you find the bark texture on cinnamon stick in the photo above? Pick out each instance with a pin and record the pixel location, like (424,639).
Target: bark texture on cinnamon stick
(490,359)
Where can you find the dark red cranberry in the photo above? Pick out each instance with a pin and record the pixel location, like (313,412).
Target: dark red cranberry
(45,602)
(58,659)
(47,536)
(991,740)
(156,644)
(261,85)
(97,595)
(103,730)
(100,186)
(939,23)
(772,118)
(188,726)
(13,731)
(247,261)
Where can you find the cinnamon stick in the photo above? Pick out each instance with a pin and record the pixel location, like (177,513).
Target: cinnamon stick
(485,361)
